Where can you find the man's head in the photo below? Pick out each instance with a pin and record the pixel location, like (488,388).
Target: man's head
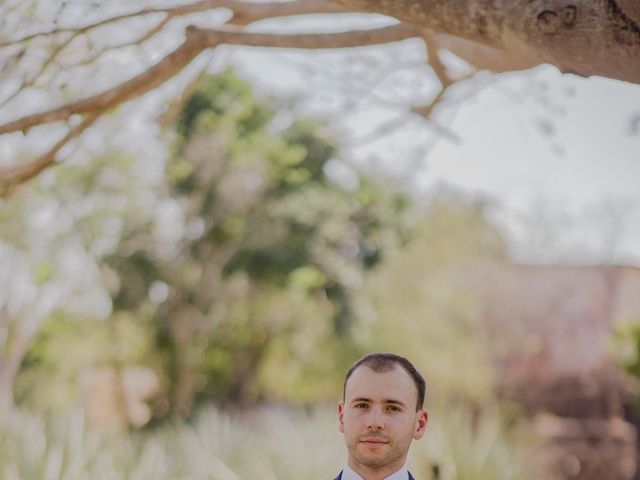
(385,362)
(381,413)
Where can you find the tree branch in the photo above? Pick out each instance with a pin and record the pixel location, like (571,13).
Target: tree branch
(197,40)
(248,12)
(590,37)
(138,85)
(243,14)
(434,59)
(481,56)
(314,41)
(11,177)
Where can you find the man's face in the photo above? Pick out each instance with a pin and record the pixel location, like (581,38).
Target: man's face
(379,420)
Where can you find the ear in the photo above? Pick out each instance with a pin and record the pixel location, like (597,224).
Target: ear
(422,417)
(340,416)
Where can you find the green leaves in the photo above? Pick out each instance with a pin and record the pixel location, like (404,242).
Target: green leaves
(627,348)
(281,250)
(43,271)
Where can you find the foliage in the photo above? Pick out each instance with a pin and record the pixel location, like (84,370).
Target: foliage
(422,303)
(255,253)
(626,344)
(282,445)
(487,444)
(69,347)
(53,234)
(249,275)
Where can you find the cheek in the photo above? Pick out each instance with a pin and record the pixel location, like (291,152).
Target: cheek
(351,422)
(407,424)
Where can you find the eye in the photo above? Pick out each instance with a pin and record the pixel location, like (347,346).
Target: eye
(393,408)
(361,405)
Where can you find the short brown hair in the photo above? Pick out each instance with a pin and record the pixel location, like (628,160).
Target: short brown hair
(385,362)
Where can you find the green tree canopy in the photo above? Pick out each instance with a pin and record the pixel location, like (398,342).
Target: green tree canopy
(257,267)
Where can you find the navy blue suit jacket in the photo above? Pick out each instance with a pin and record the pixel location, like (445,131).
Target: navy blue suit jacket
(339,477)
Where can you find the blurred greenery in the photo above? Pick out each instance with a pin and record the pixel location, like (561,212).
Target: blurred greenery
(243,276)
(626,348)
(270,255)
(281,446)
(421,305)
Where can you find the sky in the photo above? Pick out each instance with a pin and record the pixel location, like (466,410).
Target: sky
(574,163)
(557,155)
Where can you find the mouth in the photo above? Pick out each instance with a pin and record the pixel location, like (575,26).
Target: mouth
(373,441)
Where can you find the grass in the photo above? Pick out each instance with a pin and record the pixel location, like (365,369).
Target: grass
(270,444)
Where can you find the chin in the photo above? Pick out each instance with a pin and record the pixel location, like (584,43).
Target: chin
(372,460)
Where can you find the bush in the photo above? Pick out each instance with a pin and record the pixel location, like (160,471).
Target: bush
(267,444)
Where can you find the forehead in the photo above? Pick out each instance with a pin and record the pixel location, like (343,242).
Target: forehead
(394,384)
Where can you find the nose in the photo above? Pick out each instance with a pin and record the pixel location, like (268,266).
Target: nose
(375,420)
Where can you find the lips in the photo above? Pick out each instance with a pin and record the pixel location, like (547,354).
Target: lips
(374,441)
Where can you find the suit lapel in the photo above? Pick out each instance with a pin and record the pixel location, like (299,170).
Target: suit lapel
(339,477)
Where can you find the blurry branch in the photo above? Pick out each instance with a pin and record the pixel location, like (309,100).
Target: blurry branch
(13,349)
(4,324)
(159,27)
(166,119)
(477,55)
(198,40)
(247,12)
(426,111)
(433,56)
(575,38)
(482,56)
(31,81)
(11,177)
(243,13)
(170,13)
(133,88)
(634,126)
(440,71)
(401,121)
(317,41)
(366,92)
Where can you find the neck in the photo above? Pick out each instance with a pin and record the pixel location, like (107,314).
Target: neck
(370,473)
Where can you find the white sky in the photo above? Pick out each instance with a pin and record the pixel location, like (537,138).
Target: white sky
(583,181)
(567,195)
(556,152)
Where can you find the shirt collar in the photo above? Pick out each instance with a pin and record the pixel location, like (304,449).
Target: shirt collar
(349,474)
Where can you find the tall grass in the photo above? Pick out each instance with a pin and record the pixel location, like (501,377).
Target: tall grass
(265,445)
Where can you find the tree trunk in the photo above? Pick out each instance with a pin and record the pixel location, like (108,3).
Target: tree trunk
(6,390)
(181,333)
(590,37)
(15,351)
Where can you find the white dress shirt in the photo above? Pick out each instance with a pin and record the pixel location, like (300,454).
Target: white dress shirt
(349,474)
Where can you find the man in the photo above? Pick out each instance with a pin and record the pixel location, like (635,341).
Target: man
(381,412)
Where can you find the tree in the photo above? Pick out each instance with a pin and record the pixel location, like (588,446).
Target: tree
(38,279)
(422,303)
(593,37)
(51,239)
(270,256)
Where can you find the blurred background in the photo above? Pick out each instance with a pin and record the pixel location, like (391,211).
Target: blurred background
(182,293)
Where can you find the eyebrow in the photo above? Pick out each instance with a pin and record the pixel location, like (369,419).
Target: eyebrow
(387,401)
